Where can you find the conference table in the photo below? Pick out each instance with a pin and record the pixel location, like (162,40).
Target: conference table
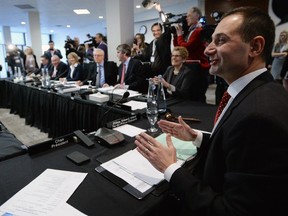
(54,113)
(97,195)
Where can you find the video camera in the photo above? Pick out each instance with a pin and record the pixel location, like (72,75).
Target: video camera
(69,43)
(180,20)
(91,40)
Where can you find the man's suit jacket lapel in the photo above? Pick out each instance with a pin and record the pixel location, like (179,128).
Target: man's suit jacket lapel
(204,149)
(258,81)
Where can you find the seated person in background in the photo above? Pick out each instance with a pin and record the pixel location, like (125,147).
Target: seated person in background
(59,69)
(102,73)
(179,80)
(131,70)
(138,47)
(45,66)
(75,70)
(30,61)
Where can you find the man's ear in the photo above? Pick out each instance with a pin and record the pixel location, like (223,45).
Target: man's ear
(256,46)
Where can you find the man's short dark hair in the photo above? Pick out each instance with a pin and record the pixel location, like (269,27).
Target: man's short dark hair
(45,56)
(125,49)
(256,23)
(51,41)
(157,24)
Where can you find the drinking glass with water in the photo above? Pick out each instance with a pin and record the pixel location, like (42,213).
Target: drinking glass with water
(152,116)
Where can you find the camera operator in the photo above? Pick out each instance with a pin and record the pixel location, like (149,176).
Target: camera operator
(89,44)
(195,45)
(75,46)
(14,59)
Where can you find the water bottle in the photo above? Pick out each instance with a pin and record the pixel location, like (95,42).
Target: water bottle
(161,98)
(151,98)
(43,78)
(20,77)
(48,79)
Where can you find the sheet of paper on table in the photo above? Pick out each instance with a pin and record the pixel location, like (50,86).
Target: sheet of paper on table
(45,194)
(136,105)
(129,130)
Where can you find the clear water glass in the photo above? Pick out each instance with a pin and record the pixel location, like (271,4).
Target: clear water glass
(152,116)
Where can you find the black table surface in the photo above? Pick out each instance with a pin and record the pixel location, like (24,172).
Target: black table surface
(53,113)
(96,195)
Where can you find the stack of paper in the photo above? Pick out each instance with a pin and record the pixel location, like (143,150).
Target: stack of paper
(137,171)
(45,195)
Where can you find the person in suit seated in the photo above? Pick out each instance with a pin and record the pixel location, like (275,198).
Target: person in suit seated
(179,80)
(102,73)
(59,69)
(75,70)
(44,67)
(131,70)
(242,167)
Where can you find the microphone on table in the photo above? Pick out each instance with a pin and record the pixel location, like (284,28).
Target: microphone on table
(57,77)
(108,136)
(118,102)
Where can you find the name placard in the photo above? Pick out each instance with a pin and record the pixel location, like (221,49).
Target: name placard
(122,121)
(51,144)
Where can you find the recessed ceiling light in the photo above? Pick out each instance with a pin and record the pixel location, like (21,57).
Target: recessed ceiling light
(138,6)
(51,30)
(100,17)
(23,23)
(81,11)
(68,26)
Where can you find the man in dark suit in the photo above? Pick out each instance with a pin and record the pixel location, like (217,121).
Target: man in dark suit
(242,167)
(52,51)
(99,38)
(102,73)
(45,66)
(59,69)
(133,73)
(158,52)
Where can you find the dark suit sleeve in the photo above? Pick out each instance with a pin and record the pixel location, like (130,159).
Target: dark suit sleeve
(190,86)
(137,77)
(255,176)
(111,72)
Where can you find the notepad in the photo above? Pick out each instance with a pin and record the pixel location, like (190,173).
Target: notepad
(184,149)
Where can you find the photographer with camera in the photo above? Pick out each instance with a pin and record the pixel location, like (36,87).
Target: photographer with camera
(139,47)
(89,44)
(193,42)
(75,46)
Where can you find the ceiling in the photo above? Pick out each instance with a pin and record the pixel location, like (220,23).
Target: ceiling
(59,13)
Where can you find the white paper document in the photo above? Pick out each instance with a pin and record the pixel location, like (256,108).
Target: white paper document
(45,194)
(129,130)
(136,170)
(136,105)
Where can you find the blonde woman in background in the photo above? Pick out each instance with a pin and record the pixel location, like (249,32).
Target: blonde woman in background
(279,54)
(30,62)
